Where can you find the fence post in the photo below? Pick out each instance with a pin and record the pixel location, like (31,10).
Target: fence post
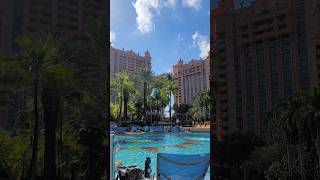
(111,157)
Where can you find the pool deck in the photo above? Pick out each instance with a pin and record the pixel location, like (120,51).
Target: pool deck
(199,129)
(206,177)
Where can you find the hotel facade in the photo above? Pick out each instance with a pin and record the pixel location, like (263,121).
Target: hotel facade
(268,50)
(70,19)
(128,61)
(190,79)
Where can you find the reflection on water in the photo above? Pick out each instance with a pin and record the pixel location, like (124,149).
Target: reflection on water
(134,149)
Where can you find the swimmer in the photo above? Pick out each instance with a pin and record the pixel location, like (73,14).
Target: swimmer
(118,164)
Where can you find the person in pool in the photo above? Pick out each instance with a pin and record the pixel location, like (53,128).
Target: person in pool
(118,164)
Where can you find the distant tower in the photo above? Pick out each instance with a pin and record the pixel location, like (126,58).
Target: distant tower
(147,58)
(147,54)
(190,79)
(180,61)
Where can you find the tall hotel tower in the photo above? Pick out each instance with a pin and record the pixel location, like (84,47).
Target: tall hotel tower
(128,61)
(268,50)
(69,18)
(190,79)
(66,17)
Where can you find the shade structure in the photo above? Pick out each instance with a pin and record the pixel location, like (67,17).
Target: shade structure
(182,166)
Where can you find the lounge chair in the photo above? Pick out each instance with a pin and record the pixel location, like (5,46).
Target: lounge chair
(134,129)
(121,130)
(178,166)
(146,129)
(157,129)
(175,128)
(169,129)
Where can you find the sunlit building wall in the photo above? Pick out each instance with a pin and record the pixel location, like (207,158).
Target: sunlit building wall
(128,61)
(190,79)
(268,50)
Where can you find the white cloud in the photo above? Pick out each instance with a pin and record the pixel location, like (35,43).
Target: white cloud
(112,37)
(171,3)
(196,4)
(203,43)
(145,10)
(179,37)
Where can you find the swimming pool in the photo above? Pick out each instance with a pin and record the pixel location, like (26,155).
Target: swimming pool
(134,149)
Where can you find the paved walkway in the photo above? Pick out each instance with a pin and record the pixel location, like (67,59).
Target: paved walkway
(199,128)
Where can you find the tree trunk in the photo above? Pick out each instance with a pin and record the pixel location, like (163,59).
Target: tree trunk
(72,172)
(145,103)
(151,114)
(289,159)
(33,164)
(170,108)
(125,111)
(301,157)
(23,165)
(120,110)
(318,150)
(50,107)
(60,152)
(244,171)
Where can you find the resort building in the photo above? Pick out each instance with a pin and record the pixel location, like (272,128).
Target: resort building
(128,61)
(268,50)
(69,18)
(64,17)
(190,79)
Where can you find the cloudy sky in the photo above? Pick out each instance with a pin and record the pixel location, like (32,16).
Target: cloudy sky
(169,29)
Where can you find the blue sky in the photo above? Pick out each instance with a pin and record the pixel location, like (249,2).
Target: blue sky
(169,29)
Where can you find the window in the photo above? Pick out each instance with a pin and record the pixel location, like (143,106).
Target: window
(249,85)
(287,73)
(302,47)
(238,89)
(274,71)
(261,78)
(300,7)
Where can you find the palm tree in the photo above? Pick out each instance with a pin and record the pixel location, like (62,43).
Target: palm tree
(201,105)
(161,92)
(171,89)
(290,124)
(300,116)
(145,74)
(48,72)
(204,101)
(34,57)
(123,85)
(37,64)
(156,97)
(314,123)
(91,63)
(281,125)
(127,90)
(67,95)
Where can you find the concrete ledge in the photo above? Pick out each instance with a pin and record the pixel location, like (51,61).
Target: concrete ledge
(199,129)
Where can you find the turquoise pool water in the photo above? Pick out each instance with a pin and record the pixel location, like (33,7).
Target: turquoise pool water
(134,149)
